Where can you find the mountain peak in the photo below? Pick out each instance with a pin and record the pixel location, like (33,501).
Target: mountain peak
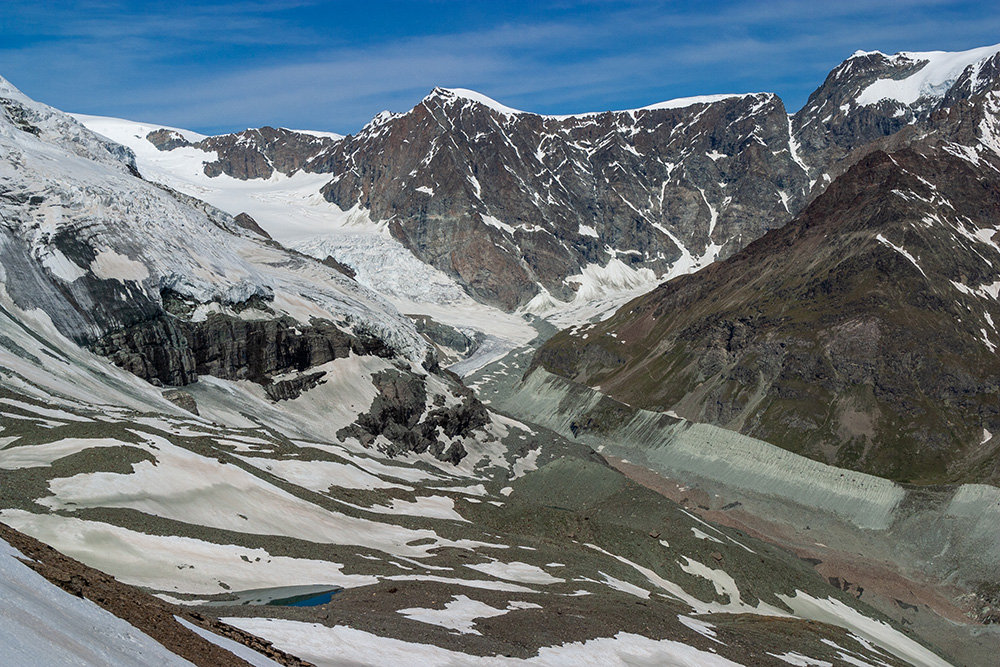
(452,95)
(938,73)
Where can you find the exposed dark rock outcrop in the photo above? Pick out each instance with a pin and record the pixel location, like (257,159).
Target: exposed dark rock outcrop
(173,351)
(342,268)
(19,116)
(246,222)
(252,153)
(167,140)
(284,390)
(446,338)
(400,414)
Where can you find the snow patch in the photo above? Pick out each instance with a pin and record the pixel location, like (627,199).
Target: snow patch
(703,628)
(902,251)
(516,571)
(461,612)
(704,536)
(798,660)
(498,224)
(61,266)
(109,265)
(879,633)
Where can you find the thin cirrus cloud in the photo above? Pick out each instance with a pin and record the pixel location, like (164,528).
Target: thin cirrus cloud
(223,66)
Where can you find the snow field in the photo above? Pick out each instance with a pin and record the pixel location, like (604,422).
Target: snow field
(932,80)
(41,624)
(516,571)
(869,630)
(323,646)
(198,490)
(461,613)
(178,564)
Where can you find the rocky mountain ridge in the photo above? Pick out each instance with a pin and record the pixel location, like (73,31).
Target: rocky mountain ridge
(527,211)
(872,96)
(861,334)
(255,153)
(466,183)
(512,204)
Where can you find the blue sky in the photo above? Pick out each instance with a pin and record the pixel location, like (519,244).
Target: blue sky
(223,66)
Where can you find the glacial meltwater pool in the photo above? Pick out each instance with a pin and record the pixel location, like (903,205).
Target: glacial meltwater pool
(284,596)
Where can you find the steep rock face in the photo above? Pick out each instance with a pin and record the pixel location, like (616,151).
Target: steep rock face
(510,203)
(861,334)
(173,351)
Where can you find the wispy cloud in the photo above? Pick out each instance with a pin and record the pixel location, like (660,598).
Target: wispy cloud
(216,65)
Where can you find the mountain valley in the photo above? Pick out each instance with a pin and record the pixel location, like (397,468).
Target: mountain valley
(703,382)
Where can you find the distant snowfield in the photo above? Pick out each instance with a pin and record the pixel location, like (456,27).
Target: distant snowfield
(601,290)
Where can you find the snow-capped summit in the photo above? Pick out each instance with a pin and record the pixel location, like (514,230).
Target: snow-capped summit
(872,96)
(682,102)
(462,95)
(450,95)
(935,72)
